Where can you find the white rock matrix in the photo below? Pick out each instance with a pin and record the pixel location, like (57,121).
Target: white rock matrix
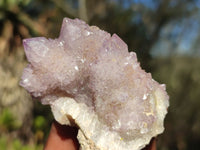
(91,81)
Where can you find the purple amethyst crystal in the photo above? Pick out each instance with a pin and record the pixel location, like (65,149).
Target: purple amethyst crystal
(87,68)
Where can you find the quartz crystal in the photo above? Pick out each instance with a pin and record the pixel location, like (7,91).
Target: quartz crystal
(91,81)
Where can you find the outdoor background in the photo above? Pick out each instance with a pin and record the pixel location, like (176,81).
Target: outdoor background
(165,34)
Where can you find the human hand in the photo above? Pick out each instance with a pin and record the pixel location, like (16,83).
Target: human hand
(62,137)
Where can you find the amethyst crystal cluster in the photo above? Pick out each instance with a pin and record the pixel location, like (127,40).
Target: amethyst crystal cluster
(90,80)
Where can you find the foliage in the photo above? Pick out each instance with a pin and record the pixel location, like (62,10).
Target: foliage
(7,121)
(16,144)
(41,122)
(181,75)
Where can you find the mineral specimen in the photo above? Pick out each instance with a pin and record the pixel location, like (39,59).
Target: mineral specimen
(91,81)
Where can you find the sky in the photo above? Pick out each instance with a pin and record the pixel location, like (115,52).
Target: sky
(178,37)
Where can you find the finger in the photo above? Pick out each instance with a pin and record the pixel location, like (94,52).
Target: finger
(152,145)
(62,137)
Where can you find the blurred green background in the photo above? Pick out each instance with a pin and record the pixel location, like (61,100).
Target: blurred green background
(165,34)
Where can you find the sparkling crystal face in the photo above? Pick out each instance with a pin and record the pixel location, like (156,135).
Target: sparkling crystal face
(94,68)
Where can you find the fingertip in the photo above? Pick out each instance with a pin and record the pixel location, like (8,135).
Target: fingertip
(152,145)
(62,137)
